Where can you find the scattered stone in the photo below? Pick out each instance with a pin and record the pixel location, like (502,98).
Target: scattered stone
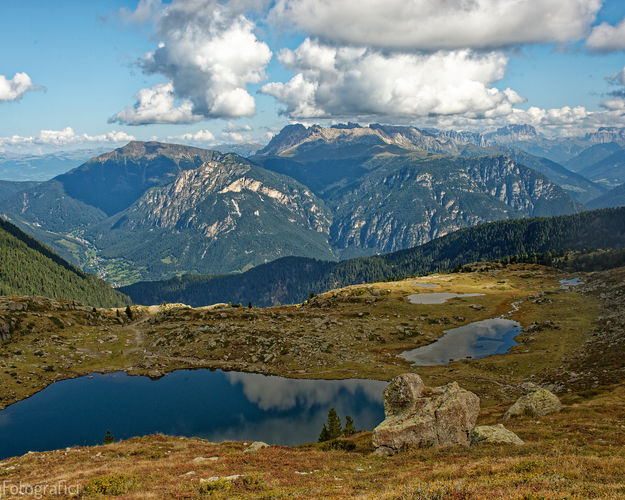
(153,374)
(535,404)
(530,387)
(255,446)
(214,479)
(424,416)
(493,434)
(203,460)
(5,333)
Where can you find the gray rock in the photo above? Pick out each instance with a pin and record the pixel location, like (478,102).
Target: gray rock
(255,446)
(424,416)
(213,479)
(401,393)
(493,434)
(5,332)
(535,404)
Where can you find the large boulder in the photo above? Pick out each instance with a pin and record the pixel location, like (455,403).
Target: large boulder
(535,404)
(493,434)
(424,416)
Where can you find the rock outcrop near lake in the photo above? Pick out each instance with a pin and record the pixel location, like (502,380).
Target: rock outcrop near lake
(417,415)
(535,404)
(493,434)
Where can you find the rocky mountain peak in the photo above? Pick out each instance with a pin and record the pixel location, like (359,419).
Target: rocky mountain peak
(292,137)
(605,135)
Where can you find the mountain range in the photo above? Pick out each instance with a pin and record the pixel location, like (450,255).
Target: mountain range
(150,211)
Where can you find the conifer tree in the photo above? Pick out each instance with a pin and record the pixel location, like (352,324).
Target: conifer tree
(108,438)
(334,424)
(324,435)
(349,426)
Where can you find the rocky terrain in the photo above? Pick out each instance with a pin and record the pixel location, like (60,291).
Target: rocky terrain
(351,332)
(571,344)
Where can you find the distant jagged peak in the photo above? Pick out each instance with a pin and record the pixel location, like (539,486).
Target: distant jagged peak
(522,132)
(605,135)
(293,136)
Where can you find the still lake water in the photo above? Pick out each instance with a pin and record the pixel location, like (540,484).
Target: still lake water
(566,284)
(478,339)
(438,297)
(214,405)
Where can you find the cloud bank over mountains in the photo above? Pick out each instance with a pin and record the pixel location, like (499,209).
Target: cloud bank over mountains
(431,60)
(361,82)
(431,25)
(424,62)
(62,138)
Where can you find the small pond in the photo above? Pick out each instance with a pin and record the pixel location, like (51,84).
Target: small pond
(214,405)
(477,340)
(565,284)
(438,297)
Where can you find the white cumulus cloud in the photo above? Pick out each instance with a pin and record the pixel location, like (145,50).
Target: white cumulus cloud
(209,53)
(614,105)
(439,24)
(156,105)
(358,82)
(203,136)
(607,38)
(14,88)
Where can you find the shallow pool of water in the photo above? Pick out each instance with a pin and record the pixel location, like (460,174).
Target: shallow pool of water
(214,405)
(438,297)
(565,284)
(477,340)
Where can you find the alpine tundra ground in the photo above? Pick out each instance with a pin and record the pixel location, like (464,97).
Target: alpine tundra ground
(572,342)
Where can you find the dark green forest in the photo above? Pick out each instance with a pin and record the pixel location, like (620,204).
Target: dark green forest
(27,267)
(292,279)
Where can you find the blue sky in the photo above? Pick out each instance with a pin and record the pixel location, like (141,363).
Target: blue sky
(83,62)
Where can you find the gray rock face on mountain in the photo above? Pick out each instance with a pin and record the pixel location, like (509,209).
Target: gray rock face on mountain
(535,404)
(391,188)
(493,434)
(424,416)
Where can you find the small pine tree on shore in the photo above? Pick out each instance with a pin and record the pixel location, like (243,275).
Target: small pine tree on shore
(108,438)
(334,424)
(349,429)
(324,435)
(332,429)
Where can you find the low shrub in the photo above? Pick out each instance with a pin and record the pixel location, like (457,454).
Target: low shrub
(110,484)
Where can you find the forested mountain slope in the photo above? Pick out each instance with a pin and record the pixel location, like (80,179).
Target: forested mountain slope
(29,268)
(293,279)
